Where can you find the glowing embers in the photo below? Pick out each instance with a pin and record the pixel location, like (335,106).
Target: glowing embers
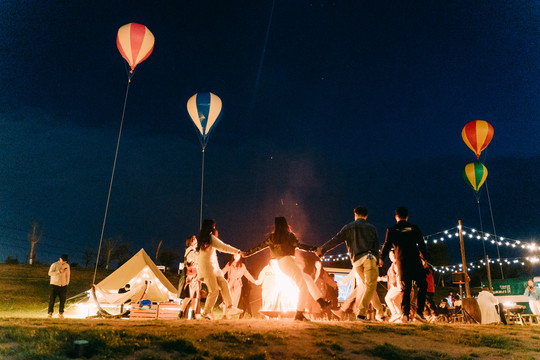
(279,292)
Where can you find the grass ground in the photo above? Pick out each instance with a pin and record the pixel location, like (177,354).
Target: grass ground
(25,333)
(26,288)
(27,338)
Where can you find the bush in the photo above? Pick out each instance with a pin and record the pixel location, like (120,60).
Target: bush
(10,260)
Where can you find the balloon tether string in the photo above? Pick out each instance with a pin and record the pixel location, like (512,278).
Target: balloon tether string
(202,188)
(494,231)
(482,230)
(111,182)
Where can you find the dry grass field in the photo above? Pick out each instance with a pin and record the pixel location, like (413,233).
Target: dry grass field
(40,338)
(26,333)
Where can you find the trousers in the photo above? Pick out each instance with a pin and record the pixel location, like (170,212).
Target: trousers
(410,273)
(215,284)
(393,300)
(368,271)
(61,293)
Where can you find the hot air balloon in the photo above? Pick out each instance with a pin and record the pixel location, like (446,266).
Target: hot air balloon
(135,43)
(477,135)
(205,112)
(475,175)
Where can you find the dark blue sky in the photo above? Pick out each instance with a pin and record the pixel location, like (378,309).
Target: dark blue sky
(355,103)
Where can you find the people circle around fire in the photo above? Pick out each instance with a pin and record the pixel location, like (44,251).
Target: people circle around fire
(289,291)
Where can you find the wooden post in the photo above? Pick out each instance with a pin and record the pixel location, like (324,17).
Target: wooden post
(489,273)
(467,288)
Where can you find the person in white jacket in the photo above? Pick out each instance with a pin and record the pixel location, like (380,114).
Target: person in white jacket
(393,296)
(210,272)
(487,303)
(60,274)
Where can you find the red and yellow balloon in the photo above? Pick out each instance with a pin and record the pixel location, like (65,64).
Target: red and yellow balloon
(135,43)
(477,135)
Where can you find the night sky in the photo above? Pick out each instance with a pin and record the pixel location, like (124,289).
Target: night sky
(347,103)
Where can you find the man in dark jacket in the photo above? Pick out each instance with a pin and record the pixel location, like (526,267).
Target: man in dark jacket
(409,248)
(363,247)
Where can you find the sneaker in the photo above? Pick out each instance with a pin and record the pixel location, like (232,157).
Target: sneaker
(300,316)
(379,317)
(323,303)
(420,318)
(404,319)
(362,318)
(232,310)
(50,315)
(394,318)
(338,313)
(60,316)
(208,316)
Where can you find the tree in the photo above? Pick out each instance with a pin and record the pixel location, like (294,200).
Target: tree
(10,260)
(168,258)
(109,245)
(88,257)
(34,237)
(122,253)
(156,244)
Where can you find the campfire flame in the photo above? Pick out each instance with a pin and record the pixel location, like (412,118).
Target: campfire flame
(279,292)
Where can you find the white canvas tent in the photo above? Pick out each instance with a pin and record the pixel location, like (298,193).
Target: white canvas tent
(136,271)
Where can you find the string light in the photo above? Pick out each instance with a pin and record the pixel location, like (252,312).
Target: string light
(480,263)
(452,233)
(499,240)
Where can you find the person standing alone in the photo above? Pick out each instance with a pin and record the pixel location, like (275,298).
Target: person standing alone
(533,296)
(409,249)
(59,273)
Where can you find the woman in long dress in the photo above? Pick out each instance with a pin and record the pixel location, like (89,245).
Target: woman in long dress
(282,243)
(210,272)
(235,271)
